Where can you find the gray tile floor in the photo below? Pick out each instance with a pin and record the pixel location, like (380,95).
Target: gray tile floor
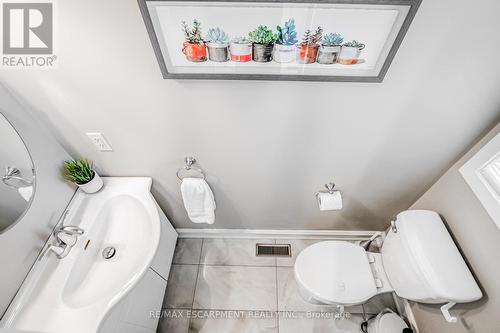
(219,285)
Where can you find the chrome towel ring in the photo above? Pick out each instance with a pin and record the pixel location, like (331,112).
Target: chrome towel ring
(190,161)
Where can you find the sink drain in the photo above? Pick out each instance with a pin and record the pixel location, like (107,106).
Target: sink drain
(108,252)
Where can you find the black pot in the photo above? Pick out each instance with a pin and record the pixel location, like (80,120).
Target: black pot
(262,52)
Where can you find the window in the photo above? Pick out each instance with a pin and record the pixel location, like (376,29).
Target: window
(482,174)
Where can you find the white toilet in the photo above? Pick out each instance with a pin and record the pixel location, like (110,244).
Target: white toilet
(419,261)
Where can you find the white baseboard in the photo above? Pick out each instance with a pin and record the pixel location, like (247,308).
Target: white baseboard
(275,234)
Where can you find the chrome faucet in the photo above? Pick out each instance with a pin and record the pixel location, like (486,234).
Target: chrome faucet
(65,238)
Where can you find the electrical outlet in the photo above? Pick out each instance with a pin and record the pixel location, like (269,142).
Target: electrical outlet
(99,141)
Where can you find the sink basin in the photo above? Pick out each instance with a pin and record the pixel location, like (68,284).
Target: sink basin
(75,293)
(119,224)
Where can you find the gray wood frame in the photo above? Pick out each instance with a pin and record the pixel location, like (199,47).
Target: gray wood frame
(414,4)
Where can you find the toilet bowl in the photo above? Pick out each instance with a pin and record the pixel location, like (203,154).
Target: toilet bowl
(418,261)
(339,272)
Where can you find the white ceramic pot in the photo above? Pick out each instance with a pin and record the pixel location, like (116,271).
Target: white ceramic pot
(92,186)
(348,55)
(240,52)
(284,53)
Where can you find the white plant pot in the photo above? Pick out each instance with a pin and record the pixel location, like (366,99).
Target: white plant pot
(284,53)
(348,55)
(92,186)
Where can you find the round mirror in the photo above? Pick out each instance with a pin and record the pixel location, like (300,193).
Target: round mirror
(17,185)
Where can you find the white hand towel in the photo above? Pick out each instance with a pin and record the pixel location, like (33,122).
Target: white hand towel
(198,200)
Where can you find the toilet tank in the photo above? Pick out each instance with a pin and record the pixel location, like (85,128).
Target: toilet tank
(423,263)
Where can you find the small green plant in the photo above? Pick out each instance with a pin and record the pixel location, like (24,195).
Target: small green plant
(287,35)
(262,35)
(332,39)
(192,35)
(240,40)
(79,171)
(355,44)
(217,35)
(310,38)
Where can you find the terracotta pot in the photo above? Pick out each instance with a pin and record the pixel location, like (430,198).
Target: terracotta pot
(262,52)
(349,55)
(306,54)
(218,52)
(328,54)
(284,53)
(194,52)
(241,52)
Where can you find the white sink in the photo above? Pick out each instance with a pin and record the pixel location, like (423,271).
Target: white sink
(75,293)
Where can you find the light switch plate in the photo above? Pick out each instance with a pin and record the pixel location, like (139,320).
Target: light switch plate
(99,141)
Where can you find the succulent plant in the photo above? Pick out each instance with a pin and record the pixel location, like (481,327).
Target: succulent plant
(332,39)
(310,38)
(355,44)
(217,35)
(192,35)
(240,40)
(262,35)
(287,35)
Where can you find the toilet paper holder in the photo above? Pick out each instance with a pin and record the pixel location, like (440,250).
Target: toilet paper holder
(330,186)
(331,199)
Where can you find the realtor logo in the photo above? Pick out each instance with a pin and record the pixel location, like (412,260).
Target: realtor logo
(28,29)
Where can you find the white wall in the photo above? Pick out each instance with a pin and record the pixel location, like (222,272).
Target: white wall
(478,237)
(269,146)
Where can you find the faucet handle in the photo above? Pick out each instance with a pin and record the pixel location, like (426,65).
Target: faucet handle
(64,238)
(70,230)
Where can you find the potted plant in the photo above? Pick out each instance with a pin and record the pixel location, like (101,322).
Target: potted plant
(240,49)
(193,47)
(286,38)
(218,45)
(349,53)
(82,173)
(329,48)
(308,48)
(262,39)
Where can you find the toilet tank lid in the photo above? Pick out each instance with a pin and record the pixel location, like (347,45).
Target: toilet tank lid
(436,256)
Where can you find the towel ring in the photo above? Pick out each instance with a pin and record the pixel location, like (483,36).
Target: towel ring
(190,161)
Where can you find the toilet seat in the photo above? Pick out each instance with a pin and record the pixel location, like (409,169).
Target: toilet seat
(335,272)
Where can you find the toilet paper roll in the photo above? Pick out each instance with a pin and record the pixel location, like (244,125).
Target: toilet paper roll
(330,201)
